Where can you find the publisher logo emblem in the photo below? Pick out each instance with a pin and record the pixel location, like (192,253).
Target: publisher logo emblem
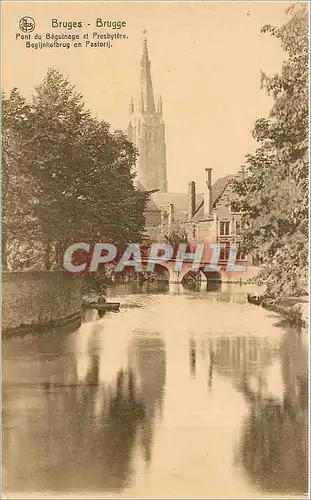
(27,24)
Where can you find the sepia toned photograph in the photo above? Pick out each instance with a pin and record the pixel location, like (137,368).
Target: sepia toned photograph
(155,249)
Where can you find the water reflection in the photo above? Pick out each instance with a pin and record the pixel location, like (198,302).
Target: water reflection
(147,400)
(274,446)
(90,420)
(142,287)
(101,313)
(239,356)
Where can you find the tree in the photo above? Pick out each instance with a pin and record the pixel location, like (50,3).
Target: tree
(274,192)
(17,192)
(80,172)
(176,236)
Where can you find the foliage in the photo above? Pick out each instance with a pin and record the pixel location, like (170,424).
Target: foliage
(97,283)
(66,174)
(176,236)
(274,191)
(17,192)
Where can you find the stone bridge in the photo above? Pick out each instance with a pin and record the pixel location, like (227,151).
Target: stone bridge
(168,271)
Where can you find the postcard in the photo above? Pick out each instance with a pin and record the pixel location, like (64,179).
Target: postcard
(155,236)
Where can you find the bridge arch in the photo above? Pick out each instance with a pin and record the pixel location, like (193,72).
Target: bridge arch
(166,272)
(213,278)
(129,274)
(160,273)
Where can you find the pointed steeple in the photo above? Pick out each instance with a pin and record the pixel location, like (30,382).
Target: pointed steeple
(147,97)
(147,131)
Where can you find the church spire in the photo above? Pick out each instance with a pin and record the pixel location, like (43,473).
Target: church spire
(147,97)
(146,129)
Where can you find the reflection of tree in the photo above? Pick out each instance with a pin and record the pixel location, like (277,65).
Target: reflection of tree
(234,356)
(87,450)
(274,447)
(126,419)
(192,357)
(78,446)
(117,434)
(211,366)
(151,370)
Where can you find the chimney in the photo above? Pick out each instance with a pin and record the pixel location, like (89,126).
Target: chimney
(171,214)
(191,200)
(208,194)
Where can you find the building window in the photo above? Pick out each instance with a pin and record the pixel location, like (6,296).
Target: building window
(224,228)
(224,252)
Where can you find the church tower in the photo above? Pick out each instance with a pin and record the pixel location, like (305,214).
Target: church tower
(147,131)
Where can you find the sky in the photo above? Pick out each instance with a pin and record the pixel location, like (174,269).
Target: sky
(206,61)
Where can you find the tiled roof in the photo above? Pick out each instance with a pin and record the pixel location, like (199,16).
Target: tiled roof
(219,187)
(217,190)
(160,201)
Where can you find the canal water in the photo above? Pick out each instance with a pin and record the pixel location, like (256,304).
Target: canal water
(182,394)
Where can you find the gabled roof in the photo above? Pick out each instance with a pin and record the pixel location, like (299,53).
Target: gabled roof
(160,201)
(218,189)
